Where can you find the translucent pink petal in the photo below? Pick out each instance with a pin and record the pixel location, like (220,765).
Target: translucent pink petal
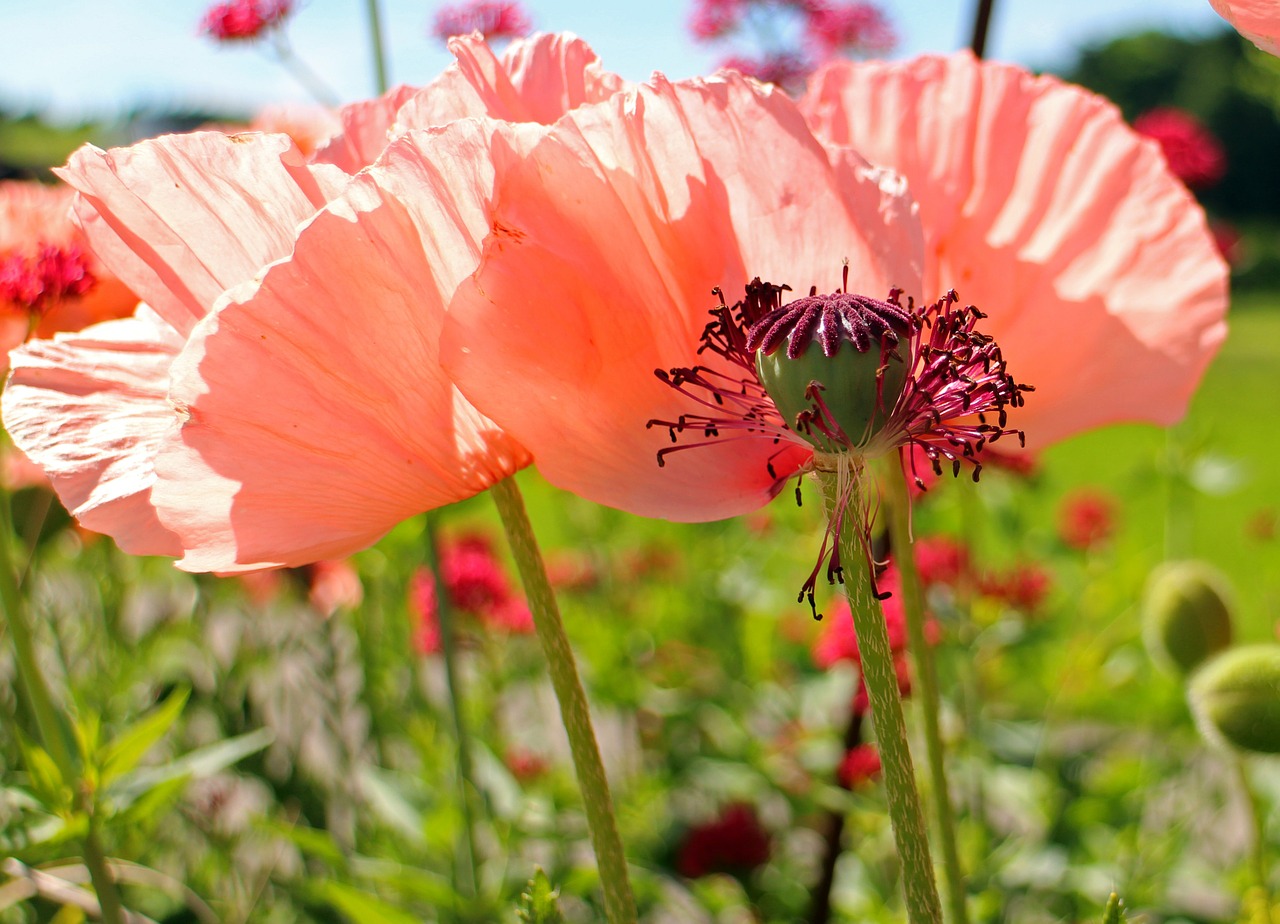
(183,218)
(537,79)
(1256,20)
(90,409)
(366,130)
(1040,206)
(608,235)
(316,416)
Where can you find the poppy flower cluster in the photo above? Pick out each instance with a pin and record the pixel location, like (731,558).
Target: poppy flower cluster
(488,271)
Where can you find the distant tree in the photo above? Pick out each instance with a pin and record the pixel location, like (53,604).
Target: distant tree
(1226,83)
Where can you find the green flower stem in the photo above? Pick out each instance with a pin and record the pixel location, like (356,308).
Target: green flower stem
(449,647)
(620,906)
(926,675)
(910,836)
(375,45)
(55,733)
(1258,847)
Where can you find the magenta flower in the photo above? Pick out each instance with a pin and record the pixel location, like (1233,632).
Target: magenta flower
(733,842)
(243,20)
(860,766)
(493,19)
(851,27)
(1195,156)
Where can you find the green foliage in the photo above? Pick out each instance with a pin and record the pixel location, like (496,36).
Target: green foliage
(1115,911)
(539,903)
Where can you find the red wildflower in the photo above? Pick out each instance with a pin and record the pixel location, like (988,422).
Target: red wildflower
(941,560)
(734,842)
(494,19)
(861,764)
(713,19)
(525,765)
(1086,519)
(850,28)
(1023,587)
(476,585)
(242,20)
(32,283)
(1194,155)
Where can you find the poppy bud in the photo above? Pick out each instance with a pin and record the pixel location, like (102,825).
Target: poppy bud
(1185,614)
(1235,698)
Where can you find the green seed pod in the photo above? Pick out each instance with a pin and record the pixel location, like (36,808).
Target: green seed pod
(846,344)
(1235,697)
(1186,614)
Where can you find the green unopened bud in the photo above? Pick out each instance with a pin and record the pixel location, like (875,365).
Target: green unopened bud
(846,345)
(1186,616)
(1235,697)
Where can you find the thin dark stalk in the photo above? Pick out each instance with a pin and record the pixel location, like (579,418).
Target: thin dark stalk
(981,23)
(449,647)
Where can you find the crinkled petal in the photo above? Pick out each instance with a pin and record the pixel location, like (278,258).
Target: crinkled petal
(1256,20)
(366,131)
(1041,207)
(91,408)
(182,218)
(537,79)
(608,235)
(316,413)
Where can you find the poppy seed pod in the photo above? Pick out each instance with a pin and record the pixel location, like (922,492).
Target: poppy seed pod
(1186,614)
(1235,698)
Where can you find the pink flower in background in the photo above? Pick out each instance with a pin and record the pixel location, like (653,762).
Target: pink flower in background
(155,429)
(493,19)
(839,642)
(333,585)
(784,69)
(1195,156)
(1087,519)
(242,20)
(1256,20)
(476,585)
(733,842)
(854,28)
(861,765)
(713,19)
(1092,261)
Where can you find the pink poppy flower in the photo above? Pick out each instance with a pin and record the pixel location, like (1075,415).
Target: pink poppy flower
(622,220)
(1039,205)
(307,414)
(1256,20)
(1195,156)
(537,79)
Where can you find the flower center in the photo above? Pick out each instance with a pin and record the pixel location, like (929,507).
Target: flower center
(836,398)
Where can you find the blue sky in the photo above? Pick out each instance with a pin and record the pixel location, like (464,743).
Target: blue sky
(73,58)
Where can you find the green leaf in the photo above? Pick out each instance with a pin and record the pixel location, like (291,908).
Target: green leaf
(200,763)
(538,902)
(363,908)
(1114,913)
(46,781)
(123,753)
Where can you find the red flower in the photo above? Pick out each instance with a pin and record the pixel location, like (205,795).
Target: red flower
(476,585)
(494,19)
(941,560)
(855,28)
(1023,587)
(1086,519)
(861,764)
(713,19)
(1194,155)
(241,20)
(734,842)
(525,765)
(785,69)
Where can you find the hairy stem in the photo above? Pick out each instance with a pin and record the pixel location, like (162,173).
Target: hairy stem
(881,679)
(620,906)
(926,675)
